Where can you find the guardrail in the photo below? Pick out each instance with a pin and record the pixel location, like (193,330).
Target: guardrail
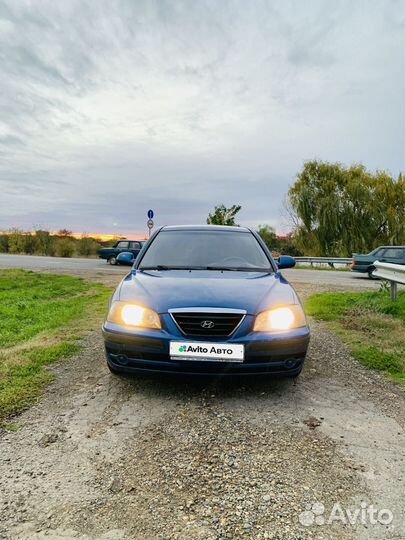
(331,261)
(394,273)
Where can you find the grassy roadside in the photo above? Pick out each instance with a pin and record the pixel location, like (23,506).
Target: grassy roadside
(42,319)
(370,324)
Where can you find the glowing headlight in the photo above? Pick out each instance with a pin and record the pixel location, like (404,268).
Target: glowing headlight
(133,315)
(281,318)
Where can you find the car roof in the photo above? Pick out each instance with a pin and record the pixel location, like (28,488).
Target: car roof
(379,247)
(223,228)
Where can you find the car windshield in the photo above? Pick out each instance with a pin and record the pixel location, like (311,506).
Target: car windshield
(205,249)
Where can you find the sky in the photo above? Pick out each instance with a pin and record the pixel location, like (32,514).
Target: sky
(109,108)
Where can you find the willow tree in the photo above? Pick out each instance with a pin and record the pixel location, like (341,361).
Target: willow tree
(341,209)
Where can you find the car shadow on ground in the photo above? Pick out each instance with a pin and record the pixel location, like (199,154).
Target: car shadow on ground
(188,387)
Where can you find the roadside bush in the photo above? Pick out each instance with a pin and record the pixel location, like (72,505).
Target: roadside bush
(45,242)
(65,248)
(16,241)
(30,244)
(87,246)
(4,243)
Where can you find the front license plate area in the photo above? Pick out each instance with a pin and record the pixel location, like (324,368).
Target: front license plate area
(199,351)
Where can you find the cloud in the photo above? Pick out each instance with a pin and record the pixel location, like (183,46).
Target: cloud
(108,109)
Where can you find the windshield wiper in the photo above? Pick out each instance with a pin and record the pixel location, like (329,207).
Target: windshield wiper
(164,267)
(238,269)
(157,267)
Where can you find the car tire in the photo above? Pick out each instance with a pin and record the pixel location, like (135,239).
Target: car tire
(112,260)
(370,272)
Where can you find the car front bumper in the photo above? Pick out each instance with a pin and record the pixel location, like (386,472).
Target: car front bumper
(147,351)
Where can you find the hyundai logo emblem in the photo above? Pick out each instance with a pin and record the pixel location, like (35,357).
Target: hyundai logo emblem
(207,324)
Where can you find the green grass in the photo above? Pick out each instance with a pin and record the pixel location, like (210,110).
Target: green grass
(31,303)
(371,324)
(42,318)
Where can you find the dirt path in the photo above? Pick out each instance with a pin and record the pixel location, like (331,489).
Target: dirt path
(102,457)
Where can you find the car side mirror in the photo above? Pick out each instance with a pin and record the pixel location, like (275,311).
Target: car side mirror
(126,257)
(285,261)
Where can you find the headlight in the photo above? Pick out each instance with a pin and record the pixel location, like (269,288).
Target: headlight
(281,318)
(133,315)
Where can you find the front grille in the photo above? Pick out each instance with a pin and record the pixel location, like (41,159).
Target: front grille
(207,324)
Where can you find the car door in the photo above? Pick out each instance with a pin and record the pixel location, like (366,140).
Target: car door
(122,246)
(135,248)
(393,255)
(376,256)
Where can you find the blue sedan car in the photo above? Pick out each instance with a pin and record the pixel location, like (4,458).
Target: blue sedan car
(206,300)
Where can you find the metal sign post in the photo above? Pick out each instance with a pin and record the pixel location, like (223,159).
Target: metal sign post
(150,223)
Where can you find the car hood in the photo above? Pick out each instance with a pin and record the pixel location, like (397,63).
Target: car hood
(161,291)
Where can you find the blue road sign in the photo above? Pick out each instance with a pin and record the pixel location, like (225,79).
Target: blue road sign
(150,214)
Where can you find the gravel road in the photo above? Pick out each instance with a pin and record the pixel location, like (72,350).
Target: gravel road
(105,458)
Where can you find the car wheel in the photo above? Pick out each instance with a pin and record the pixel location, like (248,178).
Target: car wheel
(370,272)
(112,260)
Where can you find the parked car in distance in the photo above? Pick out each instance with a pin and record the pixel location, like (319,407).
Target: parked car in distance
(206,300)
(389,254)
(111,253)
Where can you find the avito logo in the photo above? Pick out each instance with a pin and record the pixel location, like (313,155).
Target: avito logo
(190,348)
(204,350)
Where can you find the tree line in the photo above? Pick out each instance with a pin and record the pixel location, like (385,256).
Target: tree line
(42,242)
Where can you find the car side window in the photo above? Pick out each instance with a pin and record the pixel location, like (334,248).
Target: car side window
(122,245)
(393,253)
(134,245)
(380,254)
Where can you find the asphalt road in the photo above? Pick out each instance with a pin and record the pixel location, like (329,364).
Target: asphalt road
(35,262)
(91,267)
